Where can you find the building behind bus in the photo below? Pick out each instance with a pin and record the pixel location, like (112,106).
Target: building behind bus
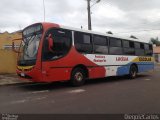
(8,58)
(156,53)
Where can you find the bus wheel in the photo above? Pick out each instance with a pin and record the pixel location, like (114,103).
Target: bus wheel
(133,72)
(78,77)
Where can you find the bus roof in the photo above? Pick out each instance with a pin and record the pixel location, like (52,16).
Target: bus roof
(97,33)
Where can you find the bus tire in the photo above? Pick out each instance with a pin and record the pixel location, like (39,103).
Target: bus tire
(133,72)
(78,77)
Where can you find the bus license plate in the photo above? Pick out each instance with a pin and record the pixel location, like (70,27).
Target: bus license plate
(22,74)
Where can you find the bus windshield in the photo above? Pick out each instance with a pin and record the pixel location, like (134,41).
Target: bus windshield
(29,45)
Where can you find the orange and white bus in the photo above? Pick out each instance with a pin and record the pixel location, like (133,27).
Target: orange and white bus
(50,52)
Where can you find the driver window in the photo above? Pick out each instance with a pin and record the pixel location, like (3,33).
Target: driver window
(61,43)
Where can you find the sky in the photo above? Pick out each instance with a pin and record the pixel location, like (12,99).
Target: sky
(140,18)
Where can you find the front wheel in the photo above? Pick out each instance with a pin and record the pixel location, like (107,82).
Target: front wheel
(133,72)
(78,77)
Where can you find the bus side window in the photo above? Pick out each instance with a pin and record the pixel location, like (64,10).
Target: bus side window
(83,43)
(148,49)
(139,49)
(115,47)
(61,44)
(100,44)
(128,47)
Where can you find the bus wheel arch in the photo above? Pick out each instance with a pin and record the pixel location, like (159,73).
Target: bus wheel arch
(133,71)
(78,75)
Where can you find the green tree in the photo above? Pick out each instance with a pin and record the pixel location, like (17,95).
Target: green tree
(155,41)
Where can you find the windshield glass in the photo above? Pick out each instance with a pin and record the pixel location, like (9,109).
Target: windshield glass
(29,45)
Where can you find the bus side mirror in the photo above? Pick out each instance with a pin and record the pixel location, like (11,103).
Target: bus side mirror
(50,43)
(15,47)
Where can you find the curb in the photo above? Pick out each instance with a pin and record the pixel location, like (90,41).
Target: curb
(11,79)
(12,83)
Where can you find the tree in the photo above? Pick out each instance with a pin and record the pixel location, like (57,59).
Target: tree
(155,41)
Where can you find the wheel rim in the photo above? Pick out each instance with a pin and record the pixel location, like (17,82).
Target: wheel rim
(78,76)
(133,72)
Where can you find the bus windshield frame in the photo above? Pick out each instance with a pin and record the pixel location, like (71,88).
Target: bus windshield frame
(31,37)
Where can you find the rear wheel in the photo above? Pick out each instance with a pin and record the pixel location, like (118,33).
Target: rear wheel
(133,72)
(78,77)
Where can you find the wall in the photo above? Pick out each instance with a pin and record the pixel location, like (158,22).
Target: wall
(6,38)
(8,58)
(8,62)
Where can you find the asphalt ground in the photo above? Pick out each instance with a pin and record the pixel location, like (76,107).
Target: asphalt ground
(112,95)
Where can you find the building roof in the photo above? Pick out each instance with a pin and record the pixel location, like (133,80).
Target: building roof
(156,49)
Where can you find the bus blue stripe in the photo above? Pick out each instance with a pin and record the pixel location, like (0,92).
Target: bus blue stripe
(142,67)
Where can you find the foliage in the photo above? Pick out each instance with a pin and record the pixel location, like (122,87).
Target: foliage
(155,41)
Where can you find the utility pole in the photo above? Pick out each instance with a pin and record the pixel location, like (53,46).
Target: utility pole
(89,15)
(89,6)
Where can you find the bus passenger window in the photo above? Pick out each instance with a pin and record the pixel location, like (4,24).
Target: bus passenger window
(139,49)
(128,47)
(83,42)
(100,44)
(148,49)
(115,47)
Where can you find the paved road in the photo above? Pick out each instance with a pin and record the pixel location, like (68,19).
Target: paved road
(109,95)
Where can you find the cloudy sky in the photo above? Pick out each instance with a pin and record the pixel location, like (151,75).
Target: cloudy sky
(140,18)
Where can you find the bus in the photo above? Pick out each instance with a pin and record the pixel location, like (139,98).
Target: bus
(51,52)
